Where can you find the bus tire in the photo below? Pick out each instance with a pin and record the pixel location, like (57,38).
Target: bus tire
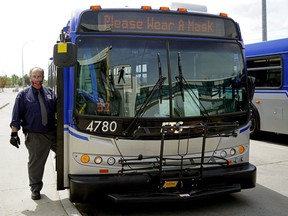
(254,122)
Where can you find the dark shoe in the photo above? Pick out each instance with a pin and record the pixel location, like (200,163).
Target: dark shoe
(35,195)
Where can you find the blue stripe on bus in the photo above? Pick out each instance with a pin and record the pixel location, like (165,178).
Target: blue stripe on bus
(76,135)
(245,128)
(272,92)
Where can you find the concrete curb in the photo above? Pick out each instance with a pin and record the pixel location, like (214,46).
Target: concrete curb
(69,208)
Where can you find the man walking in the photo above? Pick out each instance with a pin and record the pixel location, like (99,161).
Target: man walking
(34,111)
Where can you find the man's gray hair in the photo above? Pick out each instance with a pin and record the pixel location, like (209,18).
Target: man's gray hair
(37,69)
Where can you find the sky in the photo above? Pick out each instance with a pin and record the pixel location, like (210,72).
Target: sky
(30,28)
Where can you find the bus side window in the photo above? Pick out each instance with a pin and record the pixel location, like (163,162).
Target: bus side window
(267,71)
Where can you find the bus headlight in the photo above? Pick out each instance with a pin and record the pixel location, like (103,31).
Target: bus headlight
(223,154)
(232,151)
(98,160)
(111,161)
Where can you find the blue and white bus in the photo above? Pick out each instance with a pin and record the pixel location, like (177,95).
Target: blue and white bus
(268,63)
(173,126)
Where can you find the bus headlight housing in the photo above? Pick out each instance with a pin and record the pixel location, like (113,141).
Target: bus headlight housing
(111,161)
(223,154)
(98,160)
(232,151)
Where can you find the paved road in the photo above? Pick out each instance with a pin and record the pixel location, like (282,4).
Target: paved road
(270,155)
(14,185)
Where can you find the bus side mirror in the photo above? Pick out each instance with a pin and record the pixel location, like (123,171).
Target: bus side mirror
(251,83)
(64,54)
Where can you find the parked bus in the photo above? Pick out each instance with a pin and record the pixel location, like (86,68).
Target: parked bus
(174,125)
(268,63)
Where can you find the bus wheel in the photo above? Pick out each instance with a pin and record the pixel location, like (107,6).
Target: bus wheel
(254,125)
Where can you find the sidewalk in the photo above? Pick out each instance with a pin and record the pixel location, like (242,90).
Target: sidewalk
(15,195)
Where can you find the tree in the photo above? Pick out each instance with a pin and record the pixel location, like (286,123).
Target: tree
(26,80)
(14,80)
(3,81)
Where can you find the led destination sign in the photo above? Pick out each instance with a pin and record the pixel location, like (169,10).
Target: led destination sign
(157,23)
(153,24)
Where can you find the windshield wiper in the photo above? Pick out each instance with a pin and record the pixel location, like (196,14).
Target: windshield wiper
(161,78)
(179,78)
(183,84)
(142,109)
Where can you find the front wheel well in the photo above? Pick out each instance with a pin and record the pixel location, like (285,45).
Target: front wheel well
(254,121)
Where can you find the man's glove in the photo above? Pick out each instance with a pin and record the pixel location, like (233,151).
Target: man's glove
(15,140)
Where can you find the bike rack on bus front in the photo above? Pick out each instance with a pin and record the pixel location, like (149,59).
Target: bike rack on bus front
(187,164)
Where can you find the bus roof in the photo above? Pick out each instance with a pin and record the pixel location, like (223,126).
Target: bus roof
(266,48)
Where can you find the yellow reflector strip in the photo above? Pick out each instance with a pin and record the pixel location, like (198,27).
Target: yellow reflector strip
(85,158)
(170,184)
(62,48)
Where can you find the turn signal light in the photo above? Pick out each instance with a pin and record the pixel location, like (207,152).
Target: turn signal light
(85,158)
(241,149)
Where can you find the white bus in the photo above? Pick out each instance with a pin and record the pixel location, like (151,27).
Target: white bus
(268,63)
(173,126)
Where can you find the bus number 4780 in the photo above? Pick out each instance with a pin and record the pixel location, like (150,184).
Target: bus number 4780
(103,126)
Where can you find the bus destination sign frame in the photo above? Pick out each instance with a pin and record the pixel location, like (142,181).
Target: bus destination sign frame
(168,23)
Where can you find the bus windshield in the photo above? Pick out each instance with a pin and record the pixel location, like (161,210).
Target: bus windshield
(158,78)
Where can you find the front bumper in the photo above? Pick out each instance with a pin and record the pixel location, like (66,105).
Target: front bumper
(145,187)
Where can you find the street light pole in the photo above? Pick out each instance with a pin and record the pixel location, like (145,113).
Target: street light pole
(264,21)
(23,79)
